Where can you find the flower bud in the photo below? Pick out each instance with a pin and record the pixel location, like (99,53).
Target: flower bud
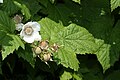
(17,19)
(47,57)
(44,44)
(37,50)
(55,47)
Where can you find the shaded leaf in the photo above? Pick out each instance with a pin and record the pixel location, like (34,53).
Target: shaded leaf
(4,38)
(9,7)
(114,40)
(27,55)
(113,76)
(65,13)
(6,23)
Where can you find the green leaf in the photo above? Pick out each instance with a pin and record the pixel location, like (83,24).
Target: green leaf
(96,18)
(114,40)
(9,7)
(6,23)
(103,54)
(113,76)
(77,1)
(66,76)
(13,45)
(27,54)
(114,4)
(4,38)
(24,9)
(49,29)
(77,76)
(67,58)
(78,39)
(65,13)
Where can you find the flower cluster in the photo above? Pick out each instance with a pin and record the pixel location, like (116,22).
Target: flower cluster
(29,31)
(44,51)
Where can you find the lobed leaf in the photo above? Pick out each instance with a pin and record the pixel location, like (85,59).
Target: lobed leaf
(78,39)
(67,58)
(103,54)
(49,29)
(13,45)
(114,4)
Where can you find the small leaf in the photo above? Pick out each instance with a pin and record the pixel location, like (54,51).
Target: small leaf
(67,58)
(103,54)
(66,76)
(13,45)
(6,23)
(77,1)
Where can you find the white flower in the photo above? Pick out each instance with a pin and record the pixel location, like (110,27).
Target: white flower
(30,32)
(19,26)
(1,1)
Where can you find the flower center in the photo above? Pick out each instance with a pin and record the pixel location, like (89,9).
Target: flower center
(28,30)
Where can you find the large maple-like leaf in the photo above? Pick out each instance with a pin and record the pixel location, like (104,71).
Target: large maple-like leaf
(78,39)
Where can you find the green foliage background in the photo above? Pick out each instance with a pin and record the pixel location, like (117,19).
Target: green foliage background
(88,30)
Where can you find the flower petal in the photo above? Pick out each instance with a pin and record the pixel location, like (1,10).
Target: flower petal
(37,36)
(36,26)
(28,39)
(1,1)
(19,26)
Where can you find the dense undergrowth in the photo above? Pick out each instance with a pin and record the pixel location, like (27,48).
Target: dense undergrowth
(60,40)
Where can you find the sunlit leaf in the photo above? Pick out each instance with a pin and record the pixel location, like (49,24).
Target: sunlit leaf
(103,54)
(114,4)
(78,39)
(49,29)
(67,58)
(13,45)
(24,9)
(66,76)
(77,1)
